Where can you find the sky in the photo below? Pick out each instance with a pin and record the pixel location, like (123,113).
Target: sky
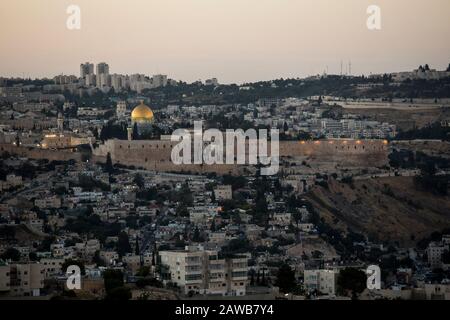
(233,40)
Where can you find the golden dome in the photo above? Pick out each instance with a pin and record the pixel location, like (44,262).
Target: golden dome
(142,113)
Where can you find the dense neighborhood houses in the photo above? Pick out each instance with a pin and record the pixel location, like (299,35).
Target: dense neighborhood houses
(87,180)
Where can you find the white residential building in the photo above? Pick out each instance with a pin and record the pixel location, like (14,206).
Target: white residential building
(223,193)
(201,271)
(323,281)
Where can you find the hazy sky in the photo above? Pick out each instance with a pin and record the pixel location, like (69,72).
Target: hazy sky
(233,40)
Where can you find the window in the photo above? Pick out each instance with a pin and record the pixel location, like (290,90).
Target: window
(193,277)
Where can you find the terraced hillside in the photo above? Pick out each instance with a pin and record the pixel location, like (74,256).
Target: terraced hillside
(387,209)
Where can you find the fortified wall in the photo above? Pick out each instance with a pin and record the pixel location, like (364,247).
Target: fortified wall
(38,153)
(344,152)
(156,154)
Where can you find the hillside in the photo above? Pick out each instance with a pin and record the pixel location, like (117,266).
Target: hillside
(387,209)
(21,233)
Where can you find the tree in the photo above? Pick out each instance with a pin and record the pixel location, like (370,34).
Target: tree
(446,257)
(139,180)
(135,133)
(73,262)
(182,211)
(98,260)
(197,236)
(89,210)
(213,225)
(111,130)
(285,279)
(353,280)
(33,256)
(108,165)
(114,286)
(113,279)
(143,271)
(237,246)
(119,294)
(123,245)
(252,277)
(149,281)
(137,251)
(11,254)
(263,278)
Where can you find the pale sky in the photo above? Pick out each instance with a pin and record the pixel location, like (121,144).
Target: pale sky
(233,40)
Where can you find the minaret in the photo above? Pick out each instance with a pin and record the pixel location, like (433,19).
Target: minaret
(60,122)
(17,142)
(130,133)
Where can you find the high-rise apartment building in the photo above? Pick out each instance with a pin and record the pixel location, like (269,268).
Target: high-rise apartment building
(103,80)
(102,67)
(159,80)
(64,79)
(90,80)
(102,74)
(119,81)
(86,69)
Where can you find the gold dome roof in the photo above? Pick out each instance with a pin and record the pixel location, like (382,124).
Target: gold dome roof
(142,112)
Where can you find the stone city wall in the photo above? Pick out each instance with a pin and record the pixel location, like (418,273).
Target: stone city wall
(38,153)
(156,154)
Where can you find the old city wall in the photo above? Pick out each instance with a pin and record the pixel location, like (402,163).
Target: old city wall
(37,153)
(371,153)
(156,154)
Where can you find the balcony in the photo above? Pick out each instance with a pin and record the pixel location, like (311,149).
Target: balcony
(217,267)
(194,282)
(217,277)
(193,278)
(239,275)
